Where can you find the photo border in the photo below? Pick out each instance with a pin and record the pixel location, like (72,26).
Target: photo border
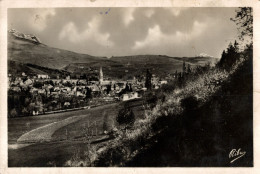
(5,4)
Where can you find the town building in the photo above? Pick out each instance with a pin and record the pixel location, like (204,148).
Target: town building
(43,76)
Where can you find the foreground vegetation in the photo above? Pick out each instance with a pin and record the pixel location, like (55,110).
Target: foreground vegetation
(226,89)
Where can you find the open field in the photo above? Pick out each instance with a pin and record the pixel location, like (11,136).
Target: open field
(98,121)
(19,126)
(44,133)
(43,154)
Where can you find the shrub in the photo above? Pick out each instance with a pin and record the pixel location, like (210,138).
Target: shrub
(126,117)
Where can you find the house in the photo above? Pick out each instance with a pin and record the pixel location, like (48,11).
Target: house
(130,96)
(67,104)
(43,76)
(16,88)
(108,98)
(78,93)
(32,90)
(105,82)
(163,82)
(94,88)
(35,112)
(28,82)
(56,89)
(42,91)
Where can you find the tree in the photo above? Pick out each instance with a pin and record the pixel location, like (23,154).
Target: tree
(126,117)
(244,20)
(176,74)
(89,91)
(230,56)
(223,58)
(189,69)
(127,88)
(108,89)
(148,83)
(183,67)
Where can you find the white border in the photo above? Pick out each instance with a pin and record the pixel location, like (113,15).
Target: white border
(4,4)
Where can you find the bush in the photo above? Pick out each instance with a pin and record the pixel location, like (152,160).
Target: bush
(126,117)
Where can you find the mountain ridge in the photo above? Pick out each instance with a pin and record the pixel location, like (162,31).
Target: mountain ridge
(29,49)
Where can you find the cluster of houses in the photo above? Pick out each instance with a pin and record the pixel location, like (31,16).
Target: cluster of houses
(78,87)
(101,90)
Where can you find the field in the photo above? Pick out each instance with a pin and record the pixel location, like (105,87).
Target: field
(44,133)
(67,126)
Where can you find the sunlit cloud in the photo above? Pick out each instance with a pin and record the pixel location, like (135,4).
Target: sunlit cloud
(129,31)
(90,34)
(128,15)
(156,38)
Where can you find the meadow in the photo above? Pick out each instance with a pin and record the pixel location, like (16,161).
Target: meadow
(57,136)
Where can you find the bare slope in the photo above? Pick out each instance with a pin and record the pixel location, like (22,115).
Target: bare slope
(36,53)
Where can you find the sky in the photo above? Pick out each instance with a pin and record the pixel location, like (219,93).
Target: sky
(180,32)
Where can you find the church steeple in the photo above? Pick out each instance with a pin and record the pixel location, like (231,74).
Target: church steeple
(101,75)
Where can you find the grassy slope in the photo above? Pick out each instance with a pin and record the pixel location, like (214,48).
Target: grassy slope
(195,126)
(205,136)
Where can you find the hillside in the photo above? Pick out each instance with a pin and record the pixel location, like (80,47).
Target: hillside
(196,126)
(26,51)
(16,68)
(203,136)
(163,60)
(128,66)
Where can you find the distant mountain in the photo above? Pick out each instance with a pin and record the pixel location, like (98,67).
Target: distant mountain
(27,48)
(203,55)
(125,67)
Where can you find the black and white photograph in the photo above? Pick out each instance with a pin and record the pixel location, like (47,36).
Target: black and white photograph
(130,87)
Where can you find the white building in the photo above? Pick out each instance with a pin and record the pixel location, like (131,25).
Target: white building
(163,82)
(43,76)
(130,96)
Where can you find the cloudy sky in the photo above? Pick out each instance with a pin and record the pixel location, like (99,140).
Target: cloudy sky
(129,31)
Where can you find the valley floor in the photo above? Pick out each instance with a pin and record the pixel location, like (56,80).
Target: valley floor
(61,143)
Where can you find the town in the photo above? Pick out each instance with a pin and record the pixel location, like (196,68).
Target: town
(40,94)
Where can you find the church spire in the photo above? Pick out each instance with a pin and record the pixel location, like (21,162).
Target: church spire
(101,75)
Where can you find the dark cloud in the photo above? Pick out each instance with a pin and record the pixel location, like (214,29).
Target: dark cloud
(128,31)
